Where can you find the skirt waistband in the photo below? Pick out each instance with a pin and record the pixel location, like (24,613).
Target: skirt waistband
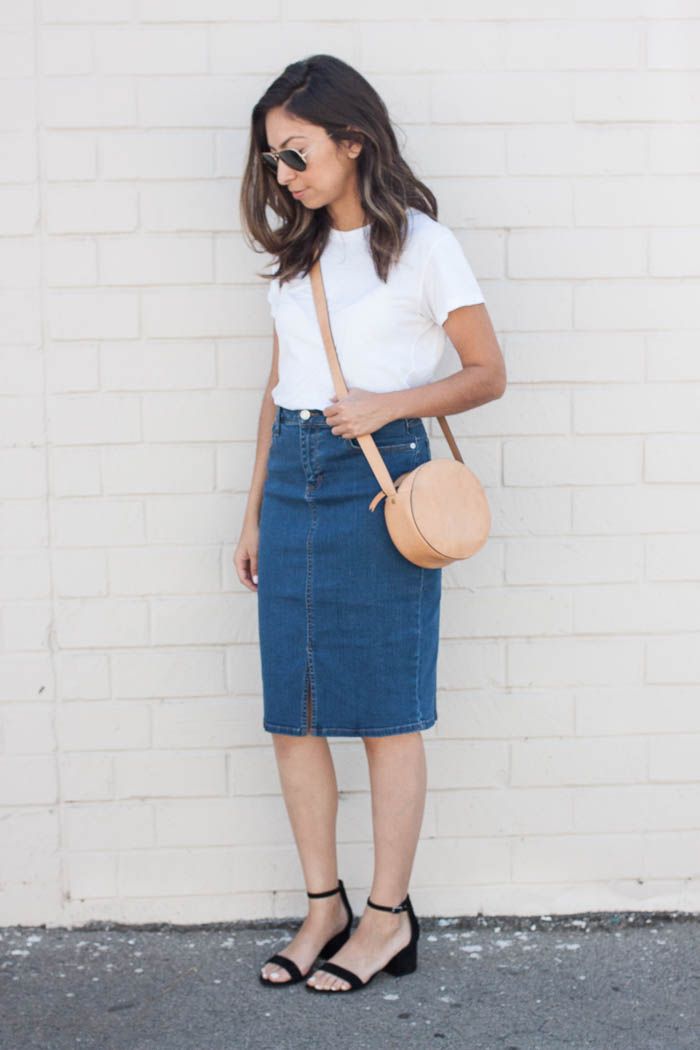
(309,417)
(294,415)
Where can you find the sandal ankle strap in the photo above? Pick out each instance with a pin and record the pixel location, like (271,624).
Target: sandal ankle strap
(383,907)
(326,893)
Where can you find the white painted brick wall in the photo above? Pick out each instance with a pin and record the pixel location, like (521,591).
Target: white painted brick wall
(562,142)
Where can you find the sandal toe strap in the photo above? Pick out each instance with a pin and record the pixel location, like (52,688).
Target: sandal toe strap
(340,971)
(288,964)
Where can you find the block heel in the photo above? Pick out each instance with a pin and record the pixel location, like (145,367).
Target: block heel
(405,962)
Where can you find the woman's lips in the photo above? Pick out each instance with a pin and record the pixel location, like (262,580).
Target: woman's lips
(298,193)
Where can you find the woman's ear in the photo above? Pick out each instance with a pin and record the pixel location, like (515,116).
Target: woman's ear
(354,148)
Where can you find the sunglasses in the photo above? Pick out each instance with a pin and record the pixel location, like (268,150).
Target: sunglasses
(293,158)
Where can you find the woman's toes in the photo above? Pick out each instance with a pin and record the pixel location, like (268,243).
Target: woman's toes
(327,982)
(275,974)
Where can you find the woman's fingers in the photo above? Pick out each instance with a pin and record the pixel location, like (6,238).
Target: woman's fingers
(246,567)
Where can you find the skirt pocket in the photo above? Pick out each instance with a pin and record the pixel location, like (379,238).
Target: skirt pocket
(395,436)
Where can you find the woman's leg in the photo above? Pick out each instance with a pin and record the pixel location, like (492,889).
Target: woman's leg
(398,781)
(310,794)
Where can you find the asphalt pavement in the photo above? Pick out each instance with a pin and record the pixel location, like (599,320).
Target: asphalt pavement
(628,981)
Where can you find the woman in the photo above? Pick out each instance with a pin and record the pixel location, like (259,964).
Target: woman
(348,627)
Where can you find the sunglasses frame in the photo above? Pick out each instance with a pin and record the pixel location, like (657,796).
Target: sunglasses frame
(276,154)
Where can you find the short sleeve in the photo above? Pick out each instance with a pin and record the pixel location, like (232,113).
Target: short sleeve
(273,293)
(448,280)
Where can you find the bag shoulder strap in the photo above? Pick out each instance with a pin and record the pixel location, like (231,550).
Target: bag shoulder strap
(366,441)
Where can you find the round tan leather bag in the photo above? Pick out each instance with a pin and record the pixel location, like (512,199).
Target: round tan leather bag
(435,514)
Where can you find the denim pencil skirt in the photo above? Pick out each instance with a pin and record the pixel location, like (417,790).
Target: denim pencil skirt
(348,627)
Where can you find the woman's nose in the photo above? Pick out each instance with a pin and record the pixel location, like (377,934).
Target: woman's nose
(280,167)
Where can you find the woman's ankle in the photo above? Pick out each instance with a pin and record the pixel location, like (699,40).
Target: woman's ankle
(326,910)
(383,923)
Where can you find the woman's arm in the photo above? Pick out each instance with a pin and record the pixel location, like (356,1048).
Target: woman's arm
(481,379)
(245,556)
(265,421)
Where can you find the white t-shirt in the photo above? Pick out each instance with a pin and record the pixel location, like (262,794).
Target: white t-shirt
(388,336)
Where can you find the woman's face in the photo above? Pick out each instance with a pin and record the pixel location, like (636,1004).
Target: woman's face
(330,173)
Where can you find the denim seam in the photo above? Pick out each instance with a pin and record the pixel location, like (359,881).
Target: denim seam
(417,676)
(309,611)
(408,727)
(405,445)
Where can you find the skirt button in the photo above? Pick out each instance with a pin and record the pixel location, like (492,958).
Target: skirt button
(305,414)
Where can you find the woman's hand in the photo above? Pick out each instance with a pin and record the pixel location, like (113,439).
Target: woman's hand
(359,412)
(245,556)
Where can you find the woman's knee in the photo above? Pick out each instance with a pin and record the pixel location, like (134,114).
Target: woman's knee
(293,743)
(393,742)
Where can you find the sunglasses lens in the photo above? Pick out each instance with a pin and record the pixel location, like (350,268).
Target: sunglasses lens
(292,159)
(270,161)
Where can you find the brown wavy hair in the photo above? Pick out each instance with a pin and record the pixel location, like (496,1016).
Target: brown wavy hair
(326,91)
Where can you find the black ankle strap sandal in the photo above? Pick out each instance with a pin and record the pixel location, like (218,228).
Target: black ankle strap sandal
(405,961)
(330,947)
(403,906)
(326,893)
